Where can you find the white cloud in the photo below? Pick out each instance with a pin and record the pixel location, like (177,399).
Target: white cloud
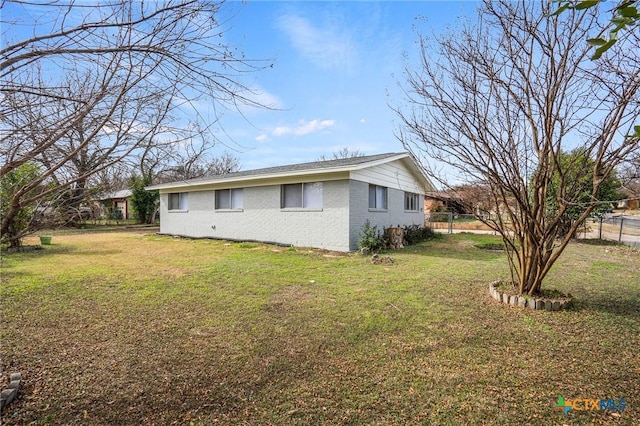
(328,47)
(261,96)
(303,128)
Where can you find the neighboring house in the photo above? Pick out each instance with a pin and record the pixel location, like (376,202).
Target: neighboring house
(323,204)
(630,199)
(116,205)
(465,199)
(442,201)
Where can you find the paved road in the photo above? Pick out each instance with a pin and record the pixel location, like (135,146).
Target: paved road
(627,221)
(611,229)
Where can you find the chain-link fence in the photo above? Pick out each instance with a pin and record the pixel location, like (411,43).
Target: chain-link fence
(453,222)
(624,229)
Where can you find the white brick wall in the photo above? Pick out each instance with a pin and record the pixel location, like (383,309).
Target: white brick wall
(335,227)
(262,219)
(393,216)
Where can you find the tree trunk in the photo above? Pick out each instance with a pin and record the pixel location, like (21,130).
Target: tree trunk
(395,236)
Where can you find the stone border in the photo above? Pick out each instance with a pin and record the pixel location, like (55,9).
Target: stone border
(11,392)
(536,303)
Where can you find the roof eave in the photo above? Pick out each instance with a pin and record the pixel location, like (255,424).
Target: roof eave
(250,178)
(257,177)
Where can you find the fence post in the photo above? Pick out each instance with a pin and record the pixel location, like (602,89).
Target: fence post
(450,222)
(600,228)
(620,234)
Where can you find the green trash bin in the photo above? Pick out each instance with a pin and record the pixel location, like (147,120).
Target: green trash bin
(45,241)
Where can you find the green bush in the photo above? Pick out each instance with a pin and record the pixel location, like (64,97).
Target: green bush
(413,234)
(371,239)
(490,246)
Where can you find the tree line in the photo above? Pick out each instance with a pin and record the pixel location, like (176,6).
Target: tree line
(93,94)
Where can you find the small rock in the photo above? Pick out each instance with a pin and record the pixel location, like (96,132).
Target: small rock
(377,259)
(7,396)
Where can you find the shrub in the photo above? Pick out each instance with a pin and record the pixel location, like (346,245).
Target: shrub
(371,239)
(413,234)
(490,246)
(144,202)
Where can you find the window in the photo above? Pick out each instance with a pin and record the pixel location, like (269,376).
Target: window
(302,195)
(377,197)
(229,199)
(411,202)
(178,201)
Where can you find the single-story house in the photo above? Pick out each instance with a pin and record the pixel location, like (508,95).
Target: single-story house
(115,205)
(322,204)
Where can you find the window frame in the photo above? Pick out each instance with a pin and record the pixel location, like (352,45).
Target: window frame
(411,198)
(380,203)
(183,202)
(231,200)
(306,196)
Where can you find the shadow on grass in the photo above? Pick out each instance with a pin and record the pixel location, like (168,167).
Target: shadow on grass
(38,251)
(598,242)
(625,304)
(443,249)
(101,229)
(60,249)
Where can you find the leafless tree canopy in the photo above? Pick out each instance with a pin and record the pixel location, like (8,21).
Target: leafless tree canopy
(342,153)
(85,87)
(196,166)
(499,101)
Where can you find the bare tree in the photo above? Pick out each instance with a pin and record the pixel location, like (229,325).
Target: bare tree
(86,87)
(184,159)
(226,163)
(186,167)
(500,101)
(342,153)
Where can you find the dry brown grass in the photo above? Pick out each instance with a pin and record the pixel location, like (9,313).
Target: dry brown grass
(127,328)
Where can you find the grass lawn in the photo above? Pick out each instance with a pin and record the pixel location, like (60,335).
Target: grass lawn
(135,328)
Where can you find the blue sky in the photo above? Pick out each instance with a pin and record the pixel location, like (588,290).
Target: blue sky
(336,70)
(337,66)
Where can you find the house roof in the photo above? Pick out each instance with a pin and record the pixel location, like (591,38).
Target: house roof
(442,196)
(123,193)
(301,169)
